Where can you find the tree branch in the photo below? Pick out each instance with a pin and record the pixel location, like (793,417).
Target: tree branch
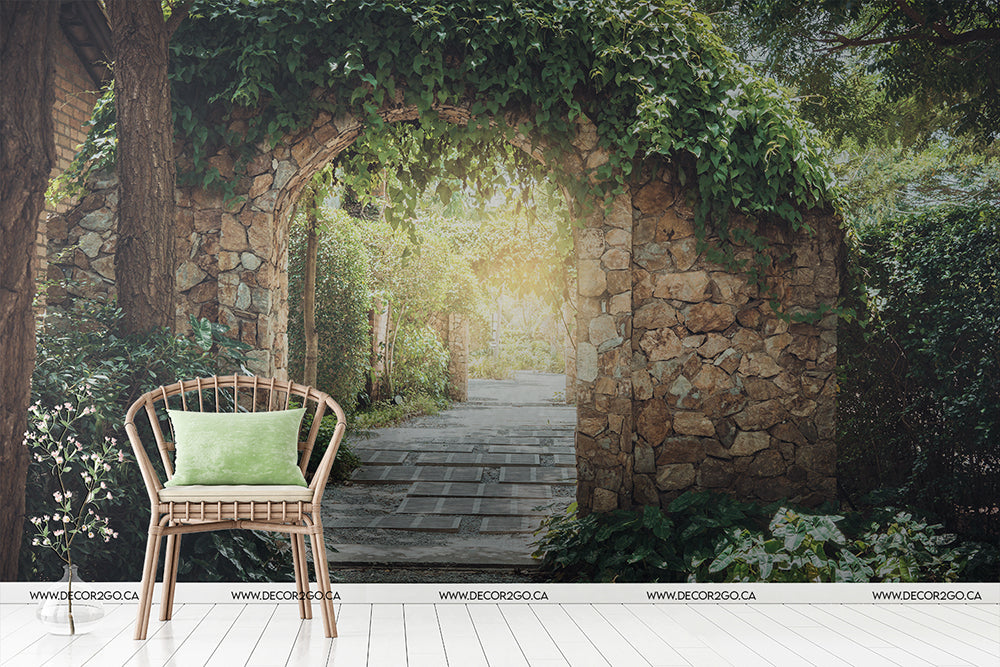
(178,14)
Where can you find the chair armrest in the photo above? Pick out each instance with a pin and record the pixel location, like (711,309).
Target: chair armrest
(149,476)
(319,479)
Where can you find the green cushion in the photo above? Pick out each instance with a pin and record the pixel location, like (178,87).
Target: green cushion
(236,448)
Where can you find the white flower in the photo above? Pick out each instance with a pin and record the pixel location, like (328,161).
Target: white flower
(108,496)
(58,496)
(55,517)
(104,485)
(58,533)
(90,534)
(65,518)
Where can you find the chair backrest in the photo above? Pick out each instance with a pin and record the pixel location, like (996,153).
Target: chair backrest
(233,393)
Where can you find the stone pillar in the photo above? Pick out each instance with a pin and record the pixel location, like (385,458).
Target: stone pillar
(458,357)
(603,351)
(729,396)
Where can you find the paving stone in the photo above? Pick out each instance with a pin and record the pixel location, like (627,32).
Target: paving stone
(396,474)
(509,524)
(564,460)
(530,449)
(473,490)
(383,457)
(419,523)
(432,524)
(496,506)
(379,445)
(538,475)
(461,459)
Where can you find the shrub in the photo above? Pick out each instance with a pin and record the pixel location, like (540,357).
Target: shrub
(342,304)
(420,362)
(85,354)
(711,537)
(803,547)
(919,400)
(646,545)
(346,461)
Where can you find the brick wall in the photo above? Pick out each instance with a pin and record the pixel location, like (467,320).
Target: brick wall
(75,95)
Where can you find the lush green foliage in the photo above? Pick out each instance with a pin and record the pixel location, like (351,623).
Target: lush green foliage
(919,404)
(346,461)
(711,537)
(421,362)
(342,304)
(652,76)
(85,354)
(648,545)
(931,60)
(517,353)
(803,547)
(390,413)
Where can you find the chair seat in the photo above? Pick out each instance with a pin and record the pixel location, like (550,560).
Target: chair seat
(197,493)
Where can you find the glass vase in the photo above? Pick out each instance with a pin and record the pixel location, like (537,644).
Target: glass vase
(69,607)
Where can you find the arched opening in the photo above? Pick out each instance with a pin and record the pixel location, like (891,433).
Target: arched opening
(464,485)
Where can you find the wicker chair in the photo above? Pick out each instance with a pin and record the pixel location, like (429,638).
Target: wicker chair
(178,510)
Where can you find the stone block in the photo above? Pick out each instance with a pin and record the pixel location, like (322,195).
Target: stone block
(601,329)
(653,421)
(586,362)
(706,316)
(672,226)
(654,197)
(714,344)
(691,286)
(590,244)
(661,344)
(605,500)
(761,416)
(655,315)
(616,259)
(750,442)
(188,275)
(680,450)
(675,477)
(591,278)
(693,423)
(768,463)
(715,474)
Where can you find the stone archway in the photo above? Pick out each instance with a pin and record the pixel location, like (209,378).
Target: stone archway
(685,378)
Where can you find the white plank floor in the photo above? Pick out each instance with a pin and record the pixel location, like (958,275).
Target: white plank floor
(536,635)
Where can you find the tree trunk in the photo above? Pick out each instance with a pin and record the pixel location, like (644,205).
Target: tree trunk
(309,298)
(27,153)
(145,257)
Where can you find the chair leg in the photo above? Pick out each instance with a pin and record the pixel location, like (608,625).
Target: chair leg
(301,572)
(148,580)
(323,580)
(304,564)
(173,552)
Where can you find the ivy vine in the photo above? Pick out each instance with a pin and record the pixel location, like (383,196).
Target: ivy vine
(651,75)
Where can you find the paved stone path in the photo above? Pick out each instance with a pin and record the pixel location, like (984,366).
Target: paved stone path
(466,486)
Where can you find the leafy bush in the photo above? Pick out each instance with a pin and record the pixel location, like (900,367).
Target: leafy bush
(517,353)
(647,545)
(919,400)
(711,537)
(85,354)
(804,547)
(342,303)
(420,362)
(346,461)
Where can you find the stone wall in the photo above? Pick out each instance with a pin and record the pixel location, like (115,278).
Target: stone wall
(75,95)
(728,396)
(684,377)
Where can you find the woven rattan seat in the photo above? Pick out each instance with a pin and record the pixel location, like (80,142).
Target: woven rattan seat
(177,510)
